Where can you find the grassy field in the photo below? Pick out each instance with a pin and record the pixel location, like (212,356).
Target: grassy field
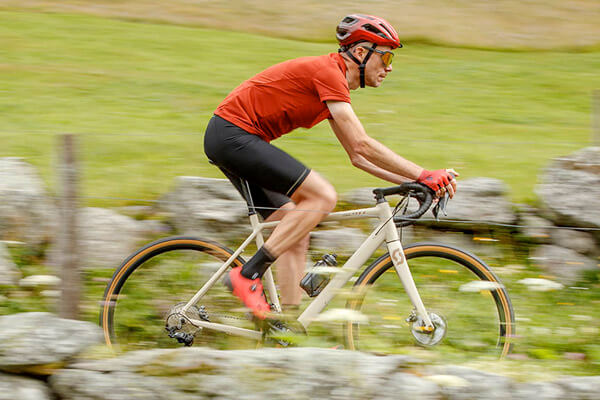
(506,24)
(140,95)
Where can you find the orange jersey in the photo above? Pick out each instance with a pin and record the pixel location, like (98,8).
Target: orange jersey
(286,96)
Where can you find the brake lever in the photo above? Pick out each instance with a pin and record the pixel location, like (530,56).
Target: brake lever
(441,206)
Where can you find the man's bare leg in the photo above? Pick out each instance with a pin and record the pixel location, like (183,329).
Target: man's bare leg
(315,198)
(291,264)
(291,268)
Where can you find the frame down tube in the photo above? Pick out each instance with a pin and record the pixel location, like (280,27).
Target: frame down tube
(387,232)
(354,263)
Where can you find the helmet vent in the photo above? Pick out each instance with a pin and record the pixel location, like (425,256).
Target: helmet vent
(387,30)
(373,29)
(349,20)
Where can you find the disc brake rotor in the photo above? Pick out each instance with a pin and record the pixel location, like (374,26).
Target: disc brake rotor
(425,336)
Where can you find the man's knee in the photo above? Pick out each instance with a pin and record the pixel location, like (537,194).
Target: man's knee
(329,197)
(317,189)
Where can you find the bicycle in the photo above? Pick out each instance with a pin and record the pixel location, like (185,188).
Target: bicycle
(468,308)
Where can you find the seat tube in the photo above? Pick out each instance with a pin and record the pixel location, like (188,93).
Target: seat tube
(268,281)
(401,266)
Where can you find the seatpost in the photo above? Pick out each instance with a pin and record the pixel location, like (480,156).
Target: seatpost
(248,197)
(268,281)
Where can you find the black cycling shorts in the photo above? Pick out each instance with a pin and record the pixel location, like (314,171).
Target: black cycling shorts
(272,174)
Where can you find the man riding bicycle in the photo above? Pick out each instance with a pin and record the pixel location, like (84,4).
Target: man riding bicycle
(301,93)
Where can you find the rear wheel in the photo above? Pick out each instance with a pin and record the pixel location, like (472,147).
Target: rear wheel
(146,293)
(467,303)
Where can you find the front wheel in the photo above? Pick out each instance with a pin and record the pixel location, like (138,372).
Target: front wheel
(146,294)
(473,311)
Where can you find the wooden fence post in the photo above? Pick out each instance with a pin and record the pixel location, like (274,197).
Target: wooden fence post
(68,246)
(596,117)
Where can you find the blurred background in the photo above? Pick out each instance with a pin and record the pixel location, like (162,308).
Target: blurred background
(495,89)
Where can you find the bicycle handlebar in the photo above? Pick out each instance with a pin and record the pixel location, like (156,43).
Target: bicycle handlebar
(422,193)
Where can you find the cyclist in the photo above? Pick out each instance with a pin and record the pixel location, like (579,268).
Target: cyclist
(301,93)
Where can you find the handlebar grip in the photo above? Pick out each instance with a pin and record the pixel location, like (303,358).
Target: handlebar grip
(422,193)
(424,196)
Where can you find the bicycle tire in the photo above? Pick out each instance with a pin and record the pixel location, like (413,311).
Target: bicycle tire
(441,274)
(155,278)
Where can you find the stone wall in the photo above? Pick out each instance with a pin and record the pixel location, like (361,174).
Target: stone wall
(41,358)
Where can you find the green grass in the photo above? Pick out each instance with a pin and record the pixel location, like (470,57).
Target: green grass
(141,94)
(501,24)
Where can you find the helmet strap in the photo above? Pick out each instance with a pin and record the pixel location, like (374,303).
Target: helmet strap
(361,65)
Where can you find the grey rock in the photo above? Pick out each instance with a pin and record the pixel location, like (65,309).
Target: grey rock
(33,339)
(206,207)
(72,384)
(480,200)
(580,388)
(538,390)
(566,264)
(581,242)
(464,242)
(407,386)
(477,200)
(342,241)
(536,229)
(154,227)
(482,385)
(9,273)
(20,388)
(297,373)
(37,281)
(137,211)
(361,197)
(570,189)
(106,238)
(26,212)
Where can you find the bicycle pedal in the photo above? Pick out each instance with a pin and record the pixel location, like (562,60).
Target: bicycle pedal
(277,331)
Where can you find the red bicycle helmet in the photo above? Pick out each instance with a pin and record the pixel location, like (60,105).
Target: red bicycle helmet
(359,27)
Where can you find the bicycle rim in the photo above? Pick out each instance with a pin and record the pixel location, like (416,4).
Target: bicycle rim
(453,284)
(150,284)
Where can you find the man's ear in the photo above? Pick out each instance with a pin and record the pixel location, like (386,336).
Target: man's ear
(359,52)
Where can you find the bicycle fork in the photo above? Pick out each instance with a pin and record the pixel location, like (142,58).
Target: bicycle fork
(401,266)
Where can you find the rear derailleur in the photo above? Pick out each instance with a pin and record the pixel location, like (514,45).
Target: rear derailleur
(179,325)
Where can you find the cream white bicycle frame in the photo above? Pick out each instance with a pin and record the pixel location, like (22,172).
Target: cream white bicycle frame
(386,231)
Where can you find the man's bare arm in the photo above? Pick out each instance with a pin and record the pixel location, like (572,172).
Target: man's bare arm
(361,147)
(371,156)
(367,166)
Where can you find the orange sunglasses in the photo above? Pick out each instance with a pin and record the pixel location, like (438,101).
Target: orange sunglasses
(386,56)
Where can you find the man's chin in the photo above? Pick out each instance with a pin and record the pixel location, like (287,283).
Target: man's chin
(375,83)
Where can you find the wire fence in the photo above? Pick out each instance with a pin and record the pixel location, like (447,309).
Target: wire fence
(139,165)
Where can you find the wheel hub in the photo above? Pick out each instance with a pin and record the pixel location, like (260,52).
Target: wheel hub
(425,335)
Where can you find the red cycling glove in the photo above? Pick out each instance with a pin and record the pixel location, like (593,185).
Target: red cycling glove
(435,180)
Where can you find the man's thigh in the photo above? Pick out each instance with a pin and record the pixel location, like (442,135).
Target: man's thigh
(265,201)
(248,156)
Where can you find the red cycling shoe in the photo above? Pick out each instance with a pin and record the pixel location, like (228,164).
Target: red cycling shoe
(250,291)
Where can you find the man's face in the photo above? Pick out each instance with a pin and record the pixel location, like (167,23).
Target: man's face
(376,71)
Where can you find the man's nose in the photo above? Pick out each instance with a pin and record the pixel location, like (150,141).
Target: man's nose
(388,68)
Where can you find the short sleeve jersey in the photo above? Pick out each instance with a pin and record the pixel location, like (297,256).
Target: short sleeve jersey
(287,96)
